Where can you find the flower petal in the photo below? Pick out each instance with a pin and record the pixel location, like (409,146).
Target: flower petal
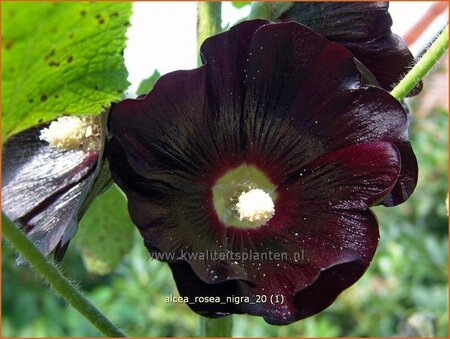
(328,238)
(170,211)
(164,117)
(282,71)
(364,28)
(354,177)
(43,188)
(180,114)
(226,57)
(407,180)
(292,291)
(183,104)
(288,112)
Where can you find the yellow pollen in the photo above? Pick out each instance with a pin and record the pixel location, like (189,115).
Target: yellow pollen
(255,206)
(73,133)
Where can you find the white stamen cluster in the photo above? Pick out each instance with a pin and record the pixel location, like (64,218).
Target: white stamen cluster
(73,133)
(255,206)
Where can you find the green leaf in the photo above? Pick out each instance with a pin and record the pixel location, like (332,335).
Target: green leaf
(61,58)
(240,4)
(105,234)
(147,84)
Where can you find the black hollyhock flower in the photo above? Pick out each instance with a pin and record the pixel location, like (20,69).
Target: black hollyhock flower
(48,172)
(365,29)
(252,176)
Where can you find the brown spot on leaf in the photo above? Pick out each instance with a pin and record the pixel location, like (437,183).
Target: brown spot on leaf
(83,13)
(9,43)
(113,14)
(40,120)
(49,54)
(69,59)
(30,100)
(44,97)
(101,21)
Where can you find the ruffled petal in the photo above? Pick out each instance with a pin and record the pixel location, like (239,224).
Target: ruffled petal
(183,104)
(153,127)
(178,222)
(288,111)
(171,213)
(364,28)
(354,177)
(289,290)
(286,108)
(287,81)
(226,58)
(408,177)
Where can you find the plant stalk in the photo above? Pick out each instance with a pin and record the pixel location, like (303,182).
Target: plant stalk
(422,67)
(60,284)
(209,22)
(215,328)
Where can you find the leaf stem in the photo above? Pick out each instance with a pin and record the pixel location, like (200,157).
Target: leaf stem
(218,328)
(209,21)
(60,283)
(422,67)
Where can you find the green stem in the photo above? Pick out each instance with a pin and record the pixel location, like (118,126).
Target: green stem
(219,327)
(60,283)
(422,67)
(209,21)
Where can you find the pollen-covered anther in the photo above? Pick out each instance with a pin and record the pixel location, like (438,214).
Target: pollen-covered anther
(73,133)
(255,206)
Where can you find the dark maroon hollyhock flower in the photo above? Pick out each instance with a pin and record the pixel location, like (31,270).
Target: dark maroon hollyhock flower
(365,29)
(48,171)
(252,176)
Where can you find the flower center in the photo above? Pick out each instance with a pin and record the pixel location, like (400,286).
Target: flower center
(244,197)
(73,133)
(255,206)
